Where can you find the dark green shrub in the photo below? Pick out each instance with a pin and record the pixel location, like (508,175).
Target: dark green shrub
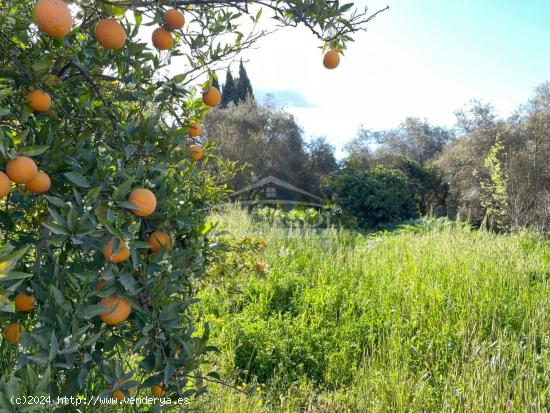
(375,197)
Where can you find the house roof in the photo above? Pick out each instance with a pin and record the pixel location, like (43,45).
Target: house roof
(276,181)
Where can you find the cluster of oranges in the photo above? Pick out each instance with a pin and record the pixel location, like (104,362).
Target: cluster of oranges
(54,18)
(23,170)
(118,308)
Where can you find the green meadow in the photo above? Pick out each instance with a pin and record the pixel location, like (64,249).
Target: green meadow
(429,317)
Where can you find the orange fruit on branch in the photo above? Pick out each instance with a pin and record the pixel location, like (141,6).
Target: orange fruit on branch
(110,34)
(260,267)
(195,152)
(119,394)
(12,333)
(118,310)
(39,101)
(53,17)
(162,39)
(21,170)
(122,253)
(212,97)
(195,129)
(24,303)
(145,200)
(40,184)
(174,19)
(5,185)
(157,390)
(160,239)
(331,60)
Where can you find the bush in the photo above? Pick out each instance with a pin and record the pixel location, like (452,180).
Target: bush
(375,197)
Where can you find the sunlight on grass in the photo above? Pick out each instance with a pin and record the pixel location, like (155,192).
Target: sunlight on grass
(432,318)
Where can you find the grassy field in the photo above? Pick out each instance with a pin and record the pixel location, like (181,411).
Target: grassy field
(436,317)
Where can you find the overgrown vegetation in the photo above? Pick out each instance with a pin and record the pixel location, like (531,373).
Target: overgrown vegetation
(434,316)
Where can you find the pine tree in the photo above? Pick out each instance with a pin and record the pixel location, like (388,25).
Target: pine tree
(229,92)
(244,87)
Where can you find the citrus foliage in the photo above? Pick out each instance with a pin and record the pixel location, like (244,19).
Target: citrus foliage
(115,224)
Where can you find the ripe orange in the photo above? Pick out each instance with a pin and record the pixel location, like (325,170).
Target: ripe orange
(122,254)
(212,97)
(40,184)
(53,17)
(162,39)
(24,303)
(160,239)
(110,34)
(118,310)
(195,129)
(174,19)
(195,152)
(145,200)
(260,267)
(5,185)
(119,394)
(157,390)
(21,170)
(331,60)
(12,333)
(39,101)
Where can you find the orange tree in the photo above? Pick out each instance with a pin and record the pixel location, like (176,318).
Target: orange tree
(104,190)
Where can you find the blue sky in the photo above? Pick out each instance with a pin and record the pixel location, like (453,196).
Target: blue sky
(423,58)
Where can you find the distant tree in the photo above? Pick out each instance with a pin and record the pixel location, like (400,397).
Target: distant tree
(498,170)
(321,156)
(229,92)
(322,163)
(462,164)
(244,87)
(416,139)
(266,138)
(361,148)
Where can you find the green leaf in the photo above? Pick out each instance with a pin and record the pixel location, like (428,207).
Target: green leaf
(179,78)
(72,220)
(90,311)
(214,374)
(122,190)
(56,229)
(128,282)
(15,275)
(57,295)
(93,339)
(58,202)
(78,179)
(54,347)
(128,205)
(34,150)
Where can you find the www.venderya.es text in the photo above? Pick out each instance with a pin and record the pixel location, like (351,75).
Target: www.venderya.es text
(94,400)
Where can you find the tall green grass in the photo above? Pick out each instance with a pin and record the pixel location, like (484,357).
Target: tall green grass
(430,318)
